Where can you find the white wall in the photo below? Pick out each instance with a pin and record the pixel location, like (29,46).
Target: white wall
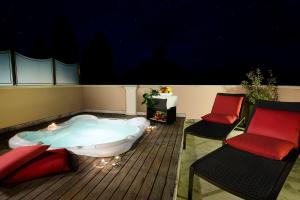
(25,104)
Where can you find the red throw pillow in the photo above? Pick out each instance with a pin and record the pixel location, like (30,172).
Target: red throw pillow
(284,125)
(17,157)
(261,145)
(219,118)
(227,105)
(50,162)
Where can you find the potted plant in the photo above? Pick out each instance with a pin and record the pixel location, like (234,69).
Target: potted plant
(258,87)
(154,109)
(148,98)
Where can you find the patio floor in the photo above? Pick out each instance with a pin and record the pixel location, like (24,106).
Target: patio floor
(198,147)
(147,171)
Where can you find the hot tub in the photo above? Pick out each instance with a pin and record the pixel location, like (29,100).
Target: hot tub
(87,135)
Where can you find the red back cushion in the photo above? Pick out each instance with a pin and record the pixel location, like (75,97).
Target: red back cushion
(220,118)
(227,105)
(284,125)
(261,145)
(50,162)
(17,157)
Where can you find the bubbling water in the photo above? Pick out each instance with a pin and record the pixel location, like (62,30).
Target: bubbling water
(87,135)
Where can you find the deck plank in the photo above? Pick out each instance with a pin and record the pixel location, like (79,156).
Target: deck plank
(117,189)
(20,190)
(45,188)
(125,172)
(160,181)
(155,167)
(173,173)
(55,188)
(52,181)
(107,180)
(147,171)
(140,178)
(89,190)
(64,185)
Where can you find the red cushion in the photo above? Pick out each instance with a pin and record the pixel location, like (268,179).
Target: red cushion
(219,118)
(227,105)
(17,157)
(279,124)
(261,145)
(50,162)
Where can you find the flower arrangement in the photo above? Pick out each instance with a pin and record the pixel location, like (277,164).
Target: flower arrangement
(148,96)
(165,90)
(259,88)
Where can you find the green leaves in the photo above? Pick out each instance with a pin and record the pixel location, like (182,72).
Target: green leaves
(148,98)
(259,88)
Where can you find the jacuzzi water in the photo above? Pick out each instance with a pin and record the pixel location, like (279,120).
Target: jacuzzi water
(87,135)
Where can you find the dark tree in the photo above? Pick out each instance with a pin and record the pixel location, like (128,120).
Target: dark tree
(39,48)
(64,46)
(97,66)
(8,29)
(158,69)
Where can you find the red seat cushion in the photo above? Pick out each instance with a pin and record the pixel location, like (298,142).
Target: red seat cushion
(261,145)
(17,157)
(227,105)
(220,118)
(50,162)
(278,124)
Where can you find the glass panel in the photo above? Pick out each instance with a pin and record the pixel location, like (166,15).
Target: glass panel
(33,71)
(66,73)
(5,68)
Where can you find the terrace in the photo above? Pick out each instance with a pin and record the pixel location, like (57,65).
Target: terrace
(75,76)
(156,167)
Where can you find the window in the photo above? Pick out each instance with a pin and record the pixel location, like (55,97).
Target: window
(33,71)
(66,73)
(5,68)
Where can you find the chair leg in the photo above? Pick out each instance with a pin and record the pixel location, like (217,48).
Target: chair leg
(184,140)
(191,183)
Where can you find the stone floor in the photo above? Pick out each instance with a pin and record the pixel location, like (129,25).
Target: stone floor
(198,147)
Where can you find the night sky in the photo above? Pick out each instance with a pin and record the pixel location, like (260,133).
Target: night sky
(159,41)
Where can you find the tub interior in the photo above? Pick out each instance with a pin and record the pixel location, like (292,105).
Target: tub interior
(83,131)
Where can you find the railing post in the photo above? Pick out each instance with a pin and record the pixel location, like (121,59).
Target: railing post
(54,71)
(78,73)
(13,66)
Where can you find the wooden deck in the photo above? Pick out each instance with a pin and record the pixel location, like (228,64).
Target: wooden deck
(147,171)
